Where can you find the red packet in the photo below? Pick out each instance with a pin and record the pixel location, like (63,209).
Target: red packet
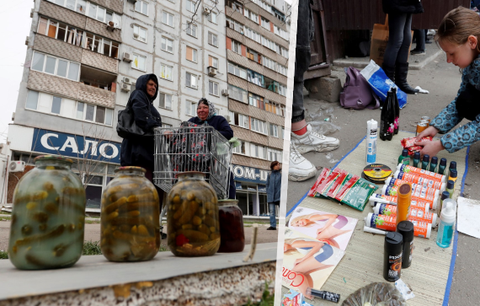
(321,177)
(335,186)
(345,187)
(322,187)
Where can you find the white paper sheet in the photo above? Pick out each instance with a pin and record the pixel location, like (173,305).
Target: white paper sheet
(467,216)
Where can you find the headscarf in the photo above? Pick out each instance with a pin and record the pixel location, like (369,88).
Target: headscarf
(211,108)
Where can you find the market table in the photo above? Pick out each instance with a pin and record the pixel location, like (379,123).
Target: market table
(431,271)
(164,280)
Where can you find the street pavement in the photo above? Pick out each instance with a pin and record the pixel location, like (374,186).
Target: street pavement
(442,79)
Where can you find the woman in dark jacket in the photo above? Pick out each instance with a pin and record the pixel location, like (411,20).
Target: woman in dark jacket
(206,114)
(139,151)
(274,187)
(395,60)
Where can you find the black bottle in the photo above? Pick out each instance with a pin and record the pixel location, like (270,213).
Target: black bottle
(387,119)
(397,111)
(406,229)
(392,256)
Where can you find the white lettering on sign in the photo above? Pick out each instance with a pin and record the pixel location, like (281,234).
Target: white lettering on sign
(250,173)
(44,141)
(70,143)
(103,150)
(86,146)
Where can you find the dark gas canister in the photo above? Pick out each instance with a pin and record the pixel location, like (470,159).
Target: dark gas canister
(406,229)
(392,257)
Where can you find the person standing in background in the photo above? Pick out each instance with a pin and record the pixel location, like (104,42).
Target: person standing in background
(395,60)
(274,187)
(304,139)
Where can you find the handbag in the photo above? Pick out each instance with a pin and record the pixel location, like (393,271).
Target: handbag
(126,126)
(356,92)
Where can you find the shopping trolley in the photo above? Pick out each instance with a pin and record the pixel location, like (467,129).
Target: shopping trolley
(192,147)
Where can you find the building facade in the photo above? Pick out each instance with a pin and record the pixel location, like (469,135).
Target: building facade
(83,58)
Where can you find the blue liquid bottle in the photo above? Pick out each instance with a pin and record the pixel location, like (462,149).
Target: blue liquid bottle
(447,222)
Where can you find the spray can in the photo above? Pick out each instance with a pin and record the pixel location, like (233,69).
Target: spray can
(406,229)
(382,206)
(442,165)
(387,223)
(372,135)
(424,183)
(392,256)
(422,173)
(447,221)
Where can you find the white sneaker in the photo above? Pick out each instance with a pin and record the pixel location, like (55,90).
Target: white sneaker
(300,169)
(312,141)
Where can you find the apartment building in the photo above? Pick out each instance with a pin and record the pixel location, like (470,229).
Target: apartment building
(83,57)
(257,46)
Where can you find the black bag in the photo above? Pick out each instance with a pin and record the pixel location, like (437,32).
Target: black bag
(126,126)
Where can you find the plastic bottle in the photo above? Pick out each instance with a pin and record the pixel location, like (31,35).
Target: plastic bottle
(384,207)
(397,111)
(433,164)
(416,213)
(424,183)
(425,161)
(447,222)
(372,136)
(404,158)
(450,188)
(442,165)
(392,256)
(406,229)
(387,223)
(445,195)
(416,159)
(387,118)
(421,173)
(453,175)
(453,166)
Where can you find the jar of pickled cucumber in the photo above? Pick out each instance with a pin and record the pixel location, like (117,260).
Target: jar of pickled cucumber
(48,216)
(192,217)
(130,226)
(232,236)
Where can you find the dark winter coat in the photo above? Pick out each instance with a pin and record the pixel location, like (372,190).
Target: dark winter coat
(217,122)
(139,152)
(274,186)
(402,6)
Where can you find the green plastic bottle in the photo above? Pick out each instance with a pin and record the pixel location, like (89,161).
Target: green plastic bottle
(433,164)
(425,161)
(442,166)
(416,159)
(404,158)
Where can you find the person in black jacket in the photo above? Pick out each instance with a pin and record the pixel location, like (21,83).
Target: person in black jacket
(139,151)
(395,60)
(207,114)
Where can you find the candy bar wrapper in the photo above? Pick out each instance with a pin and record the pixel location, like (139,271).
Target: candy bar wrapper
(323,175)
(323,187)
(410,141)
(349,181)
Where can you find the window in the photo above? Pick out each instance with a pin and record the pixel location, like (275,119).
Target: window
(96,12)
(141,7)
(252,55)
(240,149)
(191,80)
(273,131)
(256,101)
(266,23)
(165,101)
(238,94)
(242,121)
(255,78)
(237,70)
(166,72)
(236,47)
(191,29)
(212,17)
(167,18)
(275,108)
(273,155)
(49,104)
(167,44)
(250,15)
(259,126)
(212,61)
(191,54)
(140,33)
(55,66)
(234,25)
(282,90)
(139,62)
(253,35)
(212,39)
(191,6)
(190,108)
(237,7)
(284,52)
(213,88)
(268,63)
(258,151)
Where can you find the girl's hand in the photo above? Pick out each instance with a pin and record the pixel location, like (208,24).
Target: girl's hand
(430,147)
(320,230)
(430,131)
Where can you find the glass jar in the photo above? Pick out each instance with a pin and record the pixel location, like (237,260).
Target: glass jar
(130,226)
(48,216)
(192,216)
(232,236)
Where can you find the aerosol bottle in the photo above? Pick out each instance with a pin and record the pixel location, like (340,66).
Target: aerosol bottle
(387,118)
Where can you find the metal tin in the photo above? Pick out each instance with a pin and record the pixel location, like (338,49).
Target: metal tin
(426,118)
(421,127)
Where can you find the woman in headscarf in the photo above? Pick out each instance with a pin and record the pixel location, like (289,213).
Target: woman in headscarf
(207,114)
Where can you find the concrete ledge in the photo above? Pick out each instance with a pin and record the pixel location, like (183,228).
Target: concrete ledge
(166,280)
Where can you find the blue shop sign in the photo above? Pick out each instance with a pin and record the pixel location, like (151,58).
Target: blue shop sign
(75,146)
(248,174)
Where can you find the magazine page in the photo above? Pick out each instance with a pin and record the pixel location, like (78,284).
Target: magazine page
(334,229)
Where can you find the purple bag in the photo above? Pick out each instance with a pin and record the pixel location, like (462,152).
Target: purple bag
(356,92)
